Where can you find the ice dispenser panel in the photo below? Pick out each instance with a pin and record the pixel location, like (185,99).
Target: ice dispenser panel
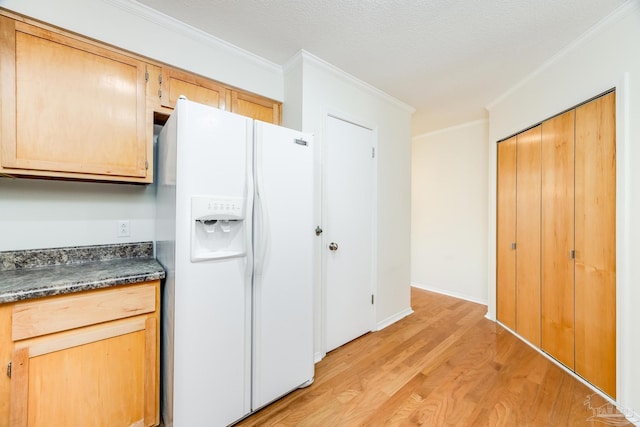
(217,227)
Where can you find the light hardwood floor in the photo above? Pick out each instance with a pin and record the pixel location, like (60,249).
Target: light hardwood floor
(443,365)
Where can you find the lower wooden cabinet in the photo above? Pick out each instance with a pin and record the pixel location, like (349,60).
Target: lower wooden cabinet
(86,359)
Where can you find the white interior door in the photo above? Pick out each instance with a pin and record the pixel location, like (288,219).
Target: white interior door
(348,232)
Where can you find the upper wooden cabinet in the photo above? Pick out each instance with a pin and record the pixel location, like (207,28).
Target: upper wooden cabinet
(198,89)
(167,84)
(254,106)
(70,108)
(75,108)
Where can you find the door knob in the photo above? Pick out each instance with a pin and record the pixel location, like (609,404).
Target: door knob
(333,246)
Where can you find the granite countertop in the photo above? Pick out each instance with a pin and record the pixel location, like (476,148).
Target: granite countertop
(39,273)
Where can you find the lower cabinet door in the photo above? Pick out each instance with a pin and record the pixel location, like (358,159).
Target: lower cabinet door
(98,376)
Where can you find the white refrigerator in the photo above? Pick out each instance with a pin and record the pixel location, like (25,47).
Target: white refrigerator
(235,234)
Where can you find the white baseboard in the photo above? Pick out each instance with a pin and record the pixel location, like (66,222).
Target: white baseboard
(443,291)
(393,319)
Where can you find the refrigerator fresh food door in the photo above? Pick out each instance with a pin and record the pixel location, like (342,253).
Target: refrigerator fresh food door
(283,250)
(212,320)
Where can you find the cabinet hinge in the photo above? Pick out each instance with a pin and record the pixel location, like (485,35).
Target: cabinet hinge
(371,298)
(9,369)
(160,78)
(146,76)
(373,152)
(146,164)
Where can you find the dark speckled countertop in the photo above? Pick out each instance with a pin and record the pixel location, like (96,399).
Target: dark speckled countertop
(39,273)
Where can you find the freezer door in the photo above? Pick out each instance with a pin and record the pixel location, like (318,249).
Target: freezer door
(211,341)
(283,252)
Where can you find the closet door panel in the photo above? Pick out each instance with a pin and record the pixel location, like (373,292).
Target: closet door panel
(595,269)
(557,303)
(528,235)
(506,233)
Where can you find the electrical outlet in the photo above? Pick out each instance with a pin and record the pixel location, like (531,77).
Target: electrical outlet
(123,228)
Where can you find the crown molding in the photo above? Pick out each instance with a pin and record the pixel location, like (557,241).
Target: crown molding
(608,20)
(450,128)
(145,12)
(304,56)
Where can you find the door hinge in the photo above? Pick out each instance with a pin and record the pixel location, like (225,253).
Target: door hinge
(373,152)
(371,298)
(572,254)
(9,369)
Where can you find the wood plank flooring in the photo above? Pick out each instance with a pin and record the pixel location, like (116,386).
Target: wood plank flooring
(444,365)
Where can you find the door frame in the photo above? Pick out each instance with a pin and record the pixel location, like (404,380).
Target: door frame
(356,121)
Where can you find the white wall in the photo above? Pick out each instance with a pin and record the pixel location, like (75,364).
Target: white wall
(45,214)
(326,89)
(449,211)
(607,56)
(40,213)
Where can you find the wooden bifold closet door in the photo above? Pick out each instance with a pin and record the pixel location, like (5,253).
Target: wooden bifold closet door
(556,238)
(528,235)
(506,233)
(595,263)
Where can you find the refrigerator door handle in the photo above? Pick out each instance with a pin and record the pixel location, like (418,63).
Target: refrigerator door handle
(262,216)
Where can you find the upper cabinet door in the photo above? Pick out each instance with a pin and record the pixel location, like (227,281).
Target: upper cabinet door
(194,88)
(70,108)
(256,107)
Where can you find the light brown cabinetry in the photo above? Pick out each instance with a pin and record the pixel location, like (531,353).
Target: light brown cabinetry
(172,83)
(74,108)
(254,106)
(89,359)
(561,296)
(70,108)
(175,82)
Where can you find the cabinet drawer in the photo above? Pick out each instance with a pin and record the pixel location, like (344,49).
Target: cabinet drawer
(40,317)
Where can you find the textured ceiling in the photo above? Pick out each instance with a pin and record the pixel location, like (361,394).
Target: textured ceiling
(446,58)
